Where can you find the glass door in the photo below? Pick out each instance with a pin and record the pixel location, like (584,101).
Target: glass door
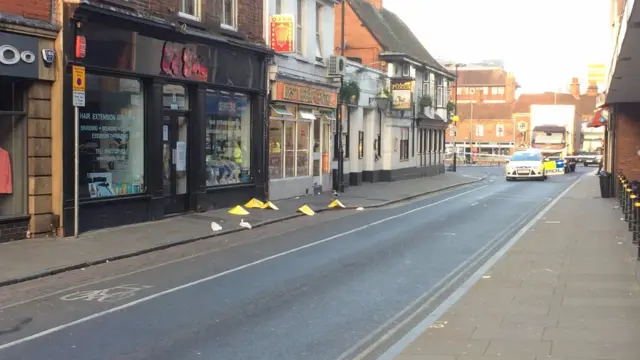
(174,158)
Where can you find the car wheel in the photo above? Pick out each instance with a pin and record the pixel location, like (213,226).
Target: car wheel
(508,178)
(585,164)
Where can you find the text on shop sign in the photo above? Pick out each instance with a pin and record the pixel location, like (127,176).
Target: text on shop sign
(306,95)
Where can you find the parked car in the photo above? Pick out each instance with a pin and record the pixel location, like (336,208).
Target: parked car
(590,158)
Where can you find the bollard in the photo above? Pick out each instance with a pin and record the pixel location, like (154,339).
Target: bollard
(636,230)
(632,211)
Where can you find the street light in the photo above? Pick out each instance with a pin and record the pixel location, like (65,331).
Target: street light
(381,102)
(339,184)
(455,105)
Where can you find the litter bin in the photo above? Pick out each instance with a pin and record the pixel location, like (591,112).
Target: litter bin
(605,184)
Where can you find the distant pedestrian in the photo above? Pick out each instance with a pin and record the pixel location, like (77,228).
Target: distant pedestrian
(601,163)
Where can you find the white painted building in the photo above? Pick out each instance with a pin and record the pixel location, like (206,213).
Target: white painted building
(303,101)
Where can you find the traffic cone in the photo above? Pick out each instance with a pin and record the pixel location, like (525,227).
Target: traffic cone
(270,205)
(238,210)
(336,203)
(254,204)
(306,210)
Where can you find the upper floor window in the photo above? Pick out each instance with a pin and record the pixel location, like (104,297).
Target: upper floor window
(299,25)
(485,90)
(426,86)
(501,90)
(279,7)
(479,130)
(190,9)
(319,10)
(229,14)
(440,92)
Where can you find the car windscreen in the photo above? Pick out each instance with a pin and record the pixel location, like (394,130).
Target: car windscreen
(526,157)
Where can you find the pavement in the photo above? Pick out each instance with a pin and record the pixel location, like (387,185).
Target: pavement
(567,289)
(30,259)
(339,285)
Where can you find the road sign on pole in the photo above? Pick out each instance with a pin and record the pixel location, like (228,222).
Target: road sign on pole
(78,78)
(78,102)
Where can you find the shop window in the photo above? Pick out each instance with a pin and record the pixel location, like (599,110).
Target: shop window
(112,142)
(289,149)
(13,148)
(276,137)
(360,144)
(302,148)
(190,9)
(404,144)
(228,138)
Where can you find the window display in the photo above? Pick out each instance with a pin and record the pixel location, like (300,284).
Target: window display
(275,149)
(228,138)
(111,138)
(302,155)
(289,146)
(13,148)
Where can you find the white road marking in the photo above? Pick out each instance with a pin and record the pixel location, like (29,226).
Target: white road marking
(474,204)
(113,294)
(552,222)
(221,274)
(414,333)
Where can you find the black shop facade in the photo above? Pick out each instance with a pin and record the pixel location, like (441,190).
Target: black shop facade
(173,122)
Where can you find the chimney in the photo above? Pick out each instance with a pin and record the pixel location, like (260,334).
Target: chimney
(574,89)
(592,90)
(376,3)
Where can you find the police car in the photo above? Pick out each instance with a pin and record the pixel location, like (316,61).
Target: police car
(528,164)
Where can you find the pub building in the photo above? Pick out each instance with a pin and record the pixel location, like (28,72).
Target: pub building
(301,128)
(174,118)
(27,77)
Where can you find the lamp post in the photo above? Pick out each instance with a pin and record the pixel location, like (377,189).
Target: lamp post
(339,185)
(381,102)
(456,118)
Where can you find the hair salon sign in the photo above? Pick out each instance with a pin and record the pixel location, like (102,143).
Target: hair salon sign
(304,95)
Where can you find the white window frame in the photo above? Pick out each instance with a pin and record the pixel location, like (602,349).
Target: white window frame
(299,38)
(498,132)
(197,5)
(234,13)
(426,85)
(319,10)
(501,90)
(479,130)
(439,92)
(494,90)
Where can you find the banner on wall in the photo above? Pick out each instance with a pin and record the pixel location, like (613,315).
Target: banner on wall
(402,94)
(282,33)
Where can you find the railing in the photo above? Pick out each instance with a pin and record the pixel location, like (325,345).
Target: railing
(628,195)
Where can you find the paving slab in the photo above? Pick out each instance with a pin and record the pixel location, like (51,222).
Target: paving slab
(568,290)
(29,259)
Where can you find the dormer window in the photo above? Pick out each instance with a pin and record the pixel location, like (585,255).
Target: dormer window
(406,70)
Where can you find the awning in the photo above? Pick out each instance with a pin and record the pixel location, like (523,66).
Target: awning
(307,114)
(328,116)
(281,110)
(599,118)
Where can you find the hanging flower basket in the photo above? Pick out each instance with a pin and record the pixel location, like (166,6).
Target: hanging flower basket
(350,93)
(425,101)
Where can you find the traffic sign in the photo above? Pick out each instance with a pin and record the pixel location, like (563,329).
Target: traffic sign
(78,98)
(78,78)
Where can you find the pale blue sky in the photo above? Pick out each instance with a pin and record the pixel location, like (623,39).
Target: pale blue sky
(544,42)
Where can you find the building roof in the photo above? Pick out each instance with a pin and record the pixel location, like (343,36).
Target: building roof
(482,77)
(524,101)
(392,33)
(485,111)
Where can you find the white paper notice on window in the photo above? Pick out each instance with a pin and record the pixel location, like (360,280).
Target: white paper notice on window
(181,155)
(165,132)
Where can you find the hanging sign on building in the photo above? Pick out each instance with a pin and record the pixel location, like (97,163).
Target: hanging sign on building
(402,94)
(304,95)
(282,33)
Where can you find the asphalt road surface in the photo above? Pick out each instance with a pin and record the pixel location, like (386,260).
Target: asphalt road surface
(347,288)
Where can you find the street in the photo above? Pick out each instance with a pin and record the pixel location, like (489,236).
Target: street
(346,288)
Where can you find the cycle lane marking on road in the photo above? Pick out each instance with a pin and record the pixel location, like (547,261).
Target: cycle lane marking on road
(224,273)
(442,309)
(197,255)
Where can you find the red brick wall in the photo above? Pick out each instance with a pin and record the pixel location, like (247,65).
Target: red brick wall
(33,9)
(360,42)
(466,131)
(250,20)
(627,142)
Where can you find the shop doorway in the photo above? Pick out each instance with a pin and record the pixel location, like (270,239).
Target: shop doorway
(175,162)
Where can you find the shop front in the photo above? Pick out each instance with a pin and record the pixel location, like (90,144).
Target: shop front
(26,77)
(301,125)
(173,122)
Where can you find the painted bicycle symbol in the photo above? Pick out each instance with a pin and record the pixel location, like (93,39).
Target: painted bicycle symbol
(113,294)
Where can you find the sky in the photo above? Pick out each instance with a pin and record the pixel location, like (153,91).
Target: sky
(543,42)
